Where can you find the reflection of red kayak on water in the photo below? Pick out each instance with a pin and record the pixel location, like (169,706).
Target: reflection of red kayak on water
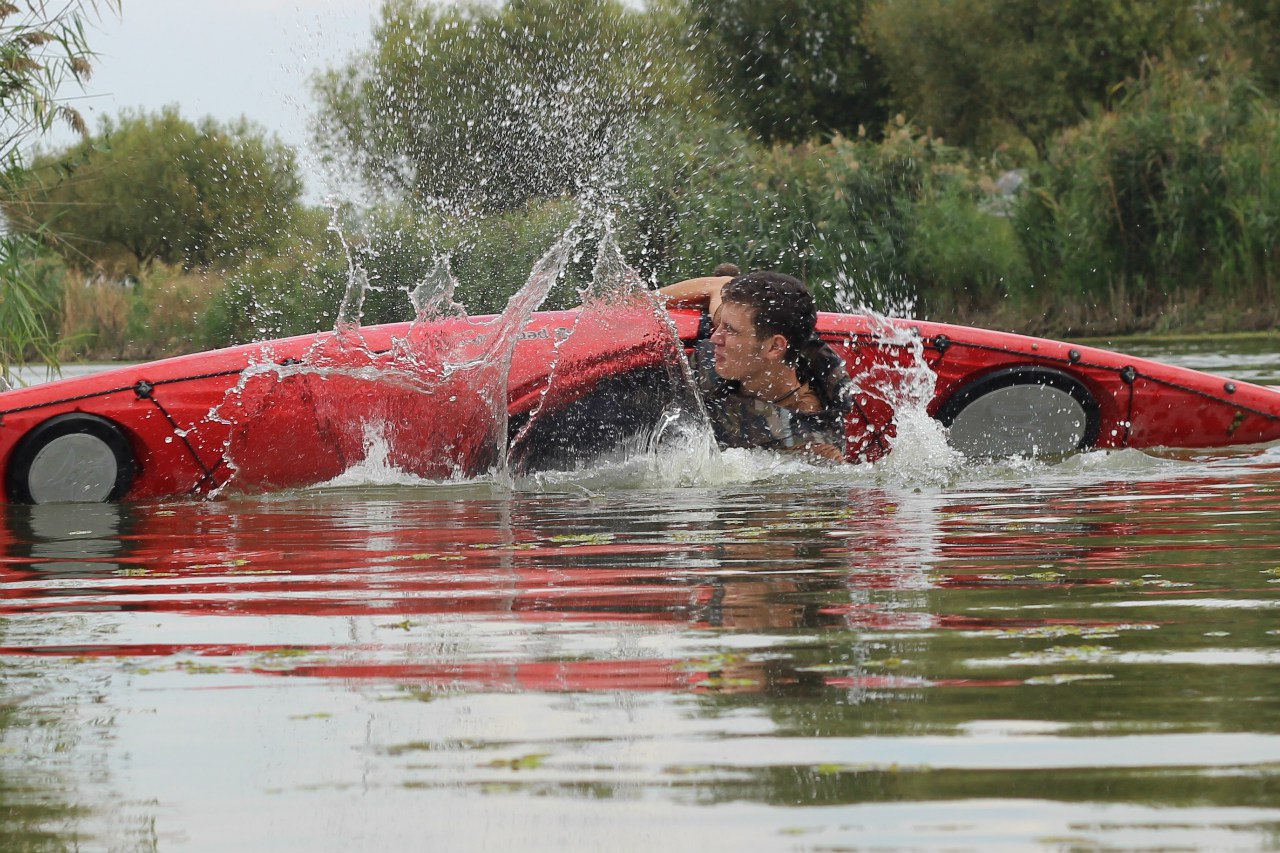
(469,595)
(439,401)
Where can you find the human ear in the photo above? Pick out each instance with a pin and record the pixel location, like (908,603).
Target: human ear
(776,347)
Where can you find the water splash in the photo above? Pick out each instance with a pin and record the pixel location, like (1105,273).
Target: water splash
(920,450)
(655,396)
(351,309)
(900,379)
(433,297)
(894,298)
(436,395)
(378,468)
(435,400)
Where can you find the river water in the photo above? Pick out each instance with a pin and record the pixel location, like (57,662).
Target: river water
(744,654)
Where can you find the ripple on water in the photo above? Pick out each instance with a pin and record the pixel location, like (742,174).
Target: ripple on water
(767,654)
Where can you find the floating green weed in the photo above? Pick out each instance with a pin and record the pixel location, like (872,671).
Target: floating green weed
(716,683)
(196,668)
(569,540)
(225,564)
(712,663)
(532,761)
(410,747)
(1062,631)
(885,663)
(498,788)
(417,694)
(1067,678)
(1009,577)
(286,652)
(695,536)
(832,768)
(282,659)
(1157,582)
(140,572)
(1067,653)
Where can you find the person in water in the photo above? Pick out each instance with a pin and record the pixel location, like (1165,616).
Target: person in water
(767,380)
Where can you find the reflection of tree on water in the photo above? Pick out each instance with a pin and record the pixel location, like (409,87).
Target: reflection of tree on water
(58,541)
(33,813)
(836,785)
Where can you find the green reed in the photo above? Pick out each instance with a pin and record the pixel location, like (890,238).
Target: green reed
(1168,200)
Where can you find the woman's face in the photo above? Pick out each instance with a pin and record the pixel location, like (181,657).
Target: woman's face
(741,353)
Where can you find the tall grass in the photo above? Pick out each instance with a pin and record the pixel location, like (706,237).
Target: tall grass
(1170,199)
(29,288)
(160,313)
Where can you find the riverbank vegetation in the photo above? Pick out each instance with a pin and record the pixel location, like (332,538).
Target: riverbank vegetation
(1093,167)
(41,48)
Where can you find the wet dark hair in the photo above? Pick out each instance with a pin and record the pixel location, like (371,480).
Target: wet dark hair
(780,305)
(726,269)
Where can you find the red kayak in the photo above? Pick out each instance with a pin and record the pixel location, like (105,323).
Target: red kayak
(450,398)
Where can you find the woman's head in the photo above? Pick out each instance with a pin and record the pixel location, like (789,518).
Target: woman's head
(777,304)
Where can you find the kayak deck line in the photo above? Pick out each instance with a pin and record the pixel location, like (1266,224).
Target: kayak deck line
(1128,373)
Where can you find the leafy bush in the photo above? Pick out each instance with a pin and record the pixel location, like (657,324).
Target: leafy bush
(1172,193)
(877,223)
(30,290)
(964,260)
(294,292)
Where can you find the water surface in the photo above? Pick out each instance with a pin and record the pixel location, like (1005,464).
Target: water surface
(754,655)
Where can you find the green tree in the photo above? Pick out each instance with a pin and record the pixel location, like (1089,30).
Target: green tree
(482,108)
(157,187)
(965,68)
(792,70)
(40,49)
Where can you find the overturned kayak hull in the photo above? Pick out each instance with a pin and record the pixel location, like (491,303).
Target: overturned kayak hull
(456,397)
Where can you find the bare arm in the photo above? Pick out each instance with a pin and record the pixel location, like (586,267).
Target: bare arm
(695,292)
(828,452)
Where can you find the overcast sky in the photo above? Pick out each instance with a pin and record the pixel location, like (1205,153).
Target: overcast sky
(222,58)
